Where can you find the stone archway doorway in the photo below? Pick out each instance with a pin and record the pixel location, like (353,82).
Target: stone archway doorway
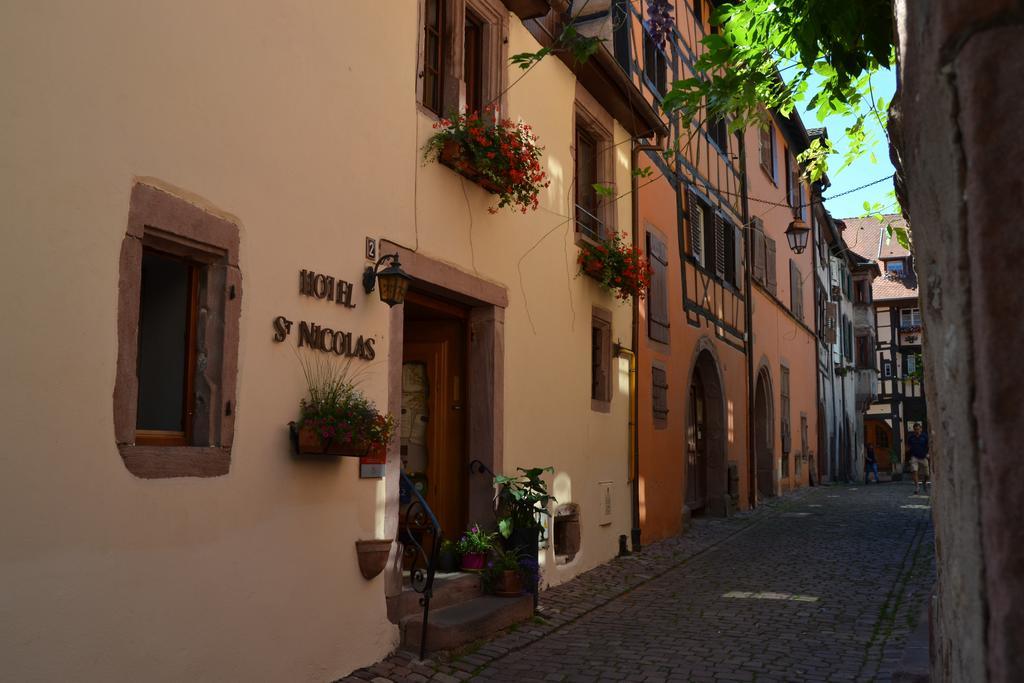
(706,471)
(764,437)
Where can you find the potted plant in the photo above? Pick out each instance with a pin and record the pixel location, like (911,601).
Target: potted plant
(336,418)
(447,557)
(618,266)
(500,155)
(504,573)
(474,547)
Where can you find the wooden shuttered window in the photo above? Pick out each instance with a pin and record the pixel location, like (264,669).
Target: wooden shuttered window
(831,311)
(757,238)
(771,280)
(696,210)
(796,291)
(657,295)
(720,228)
(733,255)
(659,396)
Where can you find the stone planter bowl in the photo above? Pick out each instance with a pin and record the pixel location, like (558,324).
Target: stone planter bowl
(373,556)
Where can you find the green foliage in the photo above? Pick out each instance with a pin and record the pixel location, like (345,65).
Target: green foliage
(570,40)
(604,190)
(521,499)
(475,540)
(838,41)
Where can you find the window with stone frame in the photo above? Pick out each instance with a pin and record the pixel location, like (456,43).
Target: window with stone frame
(178,324)
(462,55)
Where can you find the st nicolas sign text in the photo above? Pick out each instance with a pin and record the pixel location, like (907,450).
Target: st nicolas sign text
(320,337)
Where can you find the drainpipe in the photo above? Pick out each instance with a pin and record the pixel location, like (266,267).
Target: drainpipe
(634,418)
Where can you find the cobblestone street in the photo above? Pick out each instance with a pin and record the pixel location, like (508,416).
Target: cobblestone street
(824,584)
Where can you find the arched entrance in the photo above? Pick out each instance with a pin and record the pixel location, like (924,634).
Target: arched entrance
(706,471)
(764,437)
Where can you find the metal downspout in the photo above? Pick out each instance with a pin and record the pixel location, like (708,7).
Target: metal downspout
(635,416)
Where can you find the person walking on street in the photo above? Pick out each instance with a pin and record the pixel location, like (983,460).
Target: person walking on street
(870,464)
(917,454)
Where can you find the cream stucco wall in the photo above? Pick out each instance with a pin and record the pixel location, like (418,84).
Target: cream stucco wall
(300,121)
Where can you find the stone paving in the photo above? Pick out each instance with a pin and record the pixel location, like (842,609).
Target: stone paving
(824,584)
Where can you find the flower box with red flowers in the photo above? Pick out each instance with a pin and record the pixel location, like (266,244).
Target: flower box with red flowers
(616,265)
(500,155)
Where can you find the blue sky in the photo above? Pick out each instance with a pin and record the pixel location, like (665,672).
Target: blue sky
(862,171)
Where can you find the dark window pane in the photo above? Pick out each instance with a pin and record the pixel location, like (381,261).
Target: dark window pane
(163,336)
(586,176)
(473,63)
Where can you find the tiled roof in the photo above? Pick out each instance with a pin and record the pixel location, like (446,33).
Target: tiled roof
(867,238)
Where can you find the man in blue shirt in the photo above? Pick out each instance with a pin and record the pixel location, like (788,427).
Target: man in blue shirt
(917,454)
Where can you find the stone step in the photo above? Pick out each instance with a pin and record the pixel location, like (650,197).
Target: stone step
(449,589)
(450,627)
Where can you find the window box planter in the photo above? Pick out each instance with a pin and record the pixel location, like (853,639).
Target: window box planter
(308,442)
(529,9)
(617,266)
(454,158)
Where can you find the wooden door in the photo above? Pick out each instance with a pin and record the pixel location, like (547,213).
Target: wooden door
(697,464)
(435,350)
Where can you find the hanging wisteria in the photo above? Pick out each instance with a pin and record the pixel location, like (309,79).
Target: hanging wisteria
(659,21)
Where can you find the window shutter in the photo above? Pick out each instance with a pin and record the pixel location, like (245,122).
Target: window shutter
(659,395)
(758,248)
(792,287)
(657,297)
(766,148)
(770,275)
(831,308)
(719,246)
(696,228)
(736,255)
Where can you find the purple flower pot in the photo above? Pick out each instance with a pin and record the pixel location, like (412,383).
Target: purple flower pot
(473,562)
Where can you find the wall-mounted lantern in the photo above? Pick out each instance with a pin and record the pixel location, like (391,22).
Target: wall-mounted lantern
(797,234)
(393,280)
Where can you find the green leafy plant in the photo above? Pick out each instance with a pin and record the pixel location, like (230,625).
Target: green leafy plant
(617,265)
(505,153)
(522,499)
(476,541)
(336,409)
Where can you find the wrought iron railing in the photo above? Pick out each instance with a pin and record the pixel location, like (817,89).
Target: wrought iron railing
(417,523)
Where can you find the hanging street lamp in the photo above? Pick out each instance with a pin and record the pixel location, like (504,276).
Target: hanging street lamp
(393,280)
(797,234)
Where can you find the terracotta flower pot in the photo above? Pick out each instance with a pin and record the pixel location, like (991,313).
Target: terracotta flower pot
(348,450)
(509,584)
(473,562)
(373,556)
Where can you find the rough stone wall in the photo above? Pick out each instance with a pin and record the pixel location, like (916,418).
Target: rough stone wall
(957,138)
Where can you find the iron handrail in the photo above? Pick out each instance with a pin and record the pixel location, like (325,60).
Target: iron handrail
(418,515)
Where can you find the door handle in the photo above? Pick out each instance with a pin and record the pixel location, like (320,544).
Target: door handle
(456,407)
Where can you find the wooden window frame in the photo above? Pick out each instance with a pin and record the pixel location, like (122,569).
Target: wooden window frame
(767,134)
(493,17)
(601,389)
(656,61)
(163,437)
(595,123)
(159,220)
